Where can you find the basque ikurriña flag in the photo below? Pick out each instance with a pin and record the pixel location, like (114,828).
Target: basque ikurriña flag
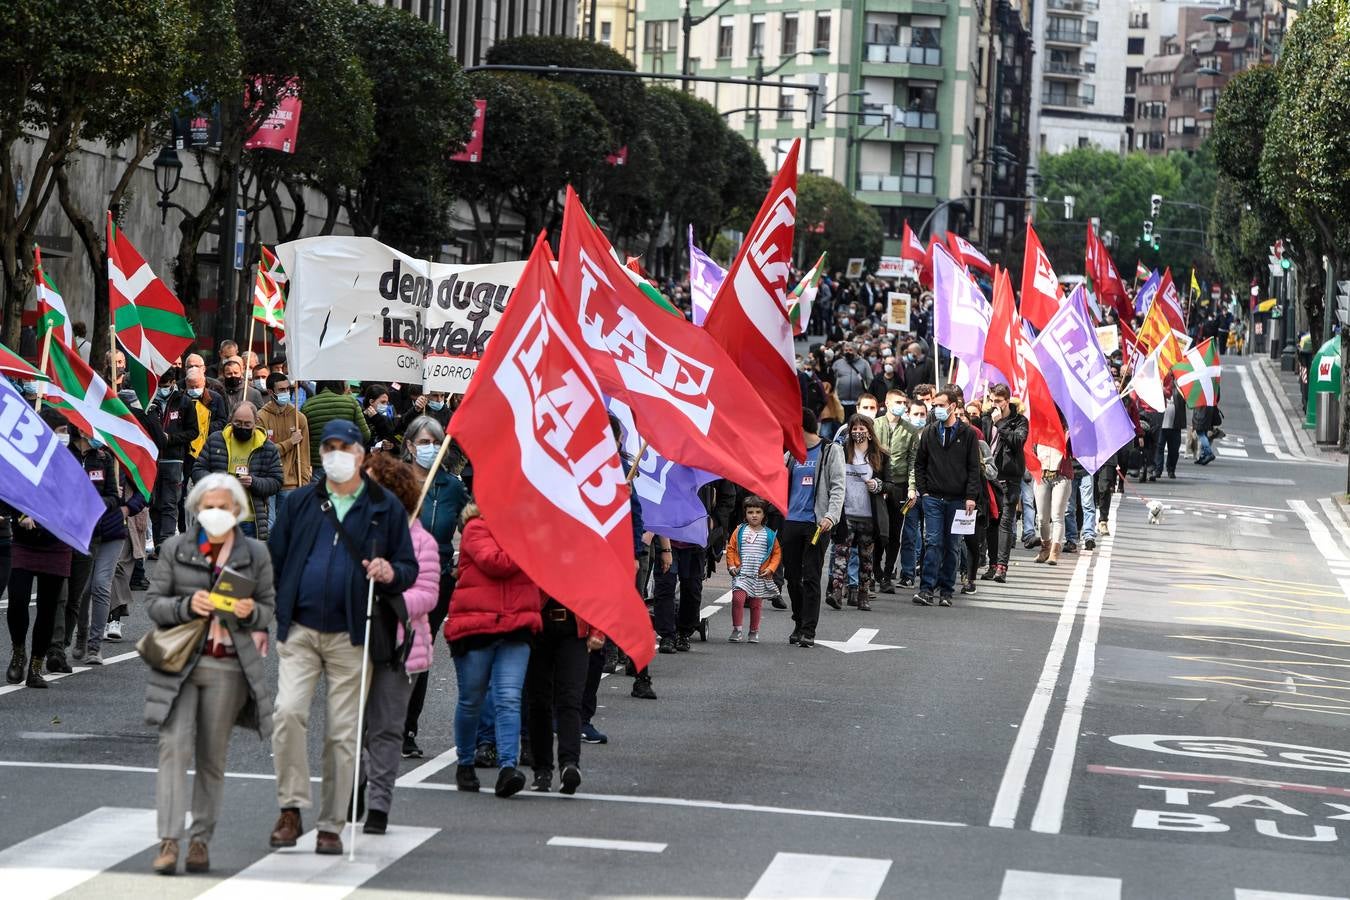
(687,396)
(36,469)
(1080,380)
(549,480)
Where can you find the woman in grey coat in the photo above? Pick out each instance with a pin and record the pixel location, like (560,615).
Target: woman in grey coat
(225,682)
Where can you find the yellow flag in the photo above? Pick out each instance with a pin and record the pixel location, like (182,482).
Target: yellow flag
(1195,285)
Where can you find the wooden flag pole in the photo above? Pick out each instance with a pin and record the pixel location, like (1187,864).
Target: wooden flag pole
(42,365)
(112,380)
(248,378)
(632,470)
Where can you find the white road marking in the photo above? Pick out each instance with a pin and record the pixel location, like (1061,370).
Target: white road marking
(1019,885)
(1049,814)
(809,875)
(49,864)
(605,844)
(301,874)
(1245,894)
(428,768)
(1014,783)
(1280,412)
(75,670)
(859,643)
(1268,442)
(1324,542)
(1337,518)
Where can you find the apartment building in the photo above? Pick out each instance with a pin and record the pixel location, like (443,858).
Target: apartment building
(472,26)
(616,23)
(1078,96)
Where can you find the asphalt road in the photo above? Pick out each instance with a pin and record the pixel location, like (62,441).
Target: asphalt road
(1162,718)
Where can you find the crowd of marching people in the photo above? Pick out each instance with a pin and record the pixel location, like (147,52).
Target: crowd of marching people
(280,503)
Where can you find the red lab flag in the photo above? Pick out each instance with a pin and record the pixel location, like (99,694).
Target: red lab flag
(1105,279)
(549,479)
(1001,348)
(687,396)
(749,315)
(965,251)
(1171,302)
(1039,407)
(1041,293)
(911,249)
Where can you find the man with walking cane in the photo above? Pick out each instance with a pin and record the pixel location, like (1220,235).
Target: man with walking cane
(323,591)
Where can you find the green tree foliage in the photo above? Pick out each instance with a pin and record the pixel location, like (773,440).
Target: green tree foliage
(830,219)
(73,70)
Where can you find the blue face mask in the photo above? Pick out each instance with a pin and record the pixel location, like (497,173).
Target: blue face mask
(940,413)
(426,454)
(435,405)
(194,393)
(918,421)
(95,441)
(284,398)
(163,392)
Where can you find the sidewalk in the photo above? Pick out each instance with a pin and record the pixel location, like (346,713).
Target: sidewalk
(1290,406)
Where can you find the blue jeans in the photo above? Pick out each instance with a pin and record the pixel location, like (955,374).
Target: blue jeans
(910,541)
(1084,494)
(487,722)
(499,668)
(853,567)
(1028,509)
(274,503)
(940,546)
(1206,451)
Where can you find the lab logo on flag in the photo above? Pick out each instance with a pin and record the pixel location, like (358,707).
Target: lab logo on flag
(1075,348)
(647,364)
(584,476)
(1045,281)
(26,443)
(770,261)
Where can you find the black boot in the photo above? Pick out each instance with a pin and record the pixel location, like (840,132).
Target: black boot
(642,686)
(852,597)
(35,679)
(509,781)
(466,779)
(19,662)
(56,661)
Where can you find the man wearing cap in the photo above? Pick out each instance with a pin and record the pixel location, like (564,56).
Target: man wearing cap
(321,529)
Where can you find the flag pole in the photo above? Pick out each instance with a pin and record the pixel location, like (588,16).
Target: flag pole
(42,364)
(637,458)
(248,379)
(112,379)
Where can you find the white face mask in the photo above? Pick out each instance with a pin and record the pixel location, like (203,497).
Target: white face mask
(216,522)
(339,466)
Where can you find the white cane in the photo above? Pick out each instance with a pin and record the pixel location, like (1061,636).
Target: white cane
(360,716)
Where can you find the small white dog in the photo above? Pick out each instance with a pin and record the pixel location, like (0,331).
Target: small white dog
(1155,511)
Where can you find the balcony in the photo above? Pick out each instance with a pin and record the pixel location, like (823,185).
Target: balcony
(1070,69)
(915,118)
(1068,101)
(1077,37)
(912,54)
(1081,6)
(880,182)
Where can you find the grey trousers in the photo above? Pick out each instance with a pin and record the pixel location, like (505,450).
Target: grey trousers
(386,710)
(197,734)
(101,591)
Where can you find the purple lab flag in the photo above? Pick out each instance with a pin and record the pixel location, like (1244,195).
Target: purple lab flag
(41,478)
(666,491)
(1144,297)
(705,277)
(960,313)
(1079,379)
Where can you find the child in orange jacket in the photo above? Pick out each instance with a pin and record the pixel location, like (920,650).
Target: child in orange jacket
(753,555)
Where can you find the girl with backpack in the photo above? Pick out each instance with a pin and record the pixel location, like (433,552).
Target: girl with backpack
(753,556)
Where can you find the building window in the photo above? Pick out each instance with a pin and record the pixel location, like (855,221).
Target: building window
(1132,79)
(822,31)
(788,44)
(657,36)
(1138,19)
(725,35)
(918,173)
(1134,46)
(785,102)
(1083,143)
(606,32)
(757,36)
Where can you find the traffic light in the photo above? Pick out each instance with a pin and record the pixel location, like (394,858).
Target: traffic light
(1156,205)
(1148,231)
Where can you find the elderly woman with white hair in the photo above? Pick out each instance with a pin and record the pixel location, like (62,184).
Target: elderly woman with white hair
(224,681)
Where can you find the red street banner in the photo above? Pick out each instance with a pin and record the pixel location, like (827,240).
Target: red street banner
(687,396)
(282,126)
(749,315)
(473,148)
(550,482)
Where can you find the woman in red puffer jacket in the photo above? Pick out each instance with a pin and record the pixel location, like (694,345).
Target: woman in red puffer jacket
(493,616)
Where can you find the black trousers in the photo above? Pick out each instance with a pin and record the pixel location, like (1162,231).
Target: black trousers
(595,667)
(687,569)
(72,598)
(802,562)
(554,682)
(895,504)
(1170,447)
(48,598)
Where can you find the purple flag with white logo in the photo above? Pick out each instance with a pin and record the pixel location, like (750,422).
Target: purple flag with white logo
(36,469)
(960,315)
(667,491)
(705,277)
(1143,298)
(1080,380)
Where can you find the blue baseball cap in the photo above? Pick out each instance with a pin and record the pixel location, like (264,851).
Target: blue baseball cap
(341,430)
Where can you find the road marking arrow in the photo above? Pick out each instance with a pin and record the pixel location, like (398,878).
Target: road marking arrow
(861,642)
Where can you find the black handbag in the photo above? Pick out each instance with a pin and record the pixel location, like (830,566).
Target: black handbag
(389,612)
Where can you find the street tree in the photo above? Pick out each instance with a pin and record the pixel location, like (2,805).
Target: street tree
(832,220)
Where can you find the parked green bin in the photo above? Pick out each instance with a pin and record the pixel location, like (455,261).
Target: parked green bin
(1323,378)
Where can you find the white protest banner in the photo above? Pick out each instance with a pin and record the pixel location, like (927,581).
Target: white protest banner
(1108,338)
(358,309)
(854,270)
(890,267)
(897,311)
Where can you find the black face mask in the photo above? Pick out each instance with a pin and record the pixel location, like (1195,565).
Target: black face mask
(241,432)
(232,382)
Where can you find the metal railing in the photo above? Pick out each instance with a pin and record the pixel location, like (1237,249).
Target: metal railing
(1074,101)
(1073,5)
(1078,36)
(915,118)
(912,54)
(1055,67)
(908,184)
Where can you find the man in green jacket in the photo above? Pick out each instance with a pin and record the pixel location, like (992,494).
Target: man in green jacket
(896,435)
(331,403)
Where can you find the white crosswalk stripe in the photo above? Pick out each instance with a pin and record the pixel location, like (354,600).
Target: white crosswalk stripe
(53,862)
(1241,894)
(1020,885)
(809,875)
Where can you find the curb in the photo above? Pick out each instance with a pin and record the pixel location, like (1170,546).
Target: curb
(1305,441)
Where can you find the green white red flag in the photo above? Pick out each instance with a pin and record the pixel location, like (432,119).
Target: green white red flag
(51,307)
(87,401)
(151,325)
(1197,374)
(15,366)
(269,303)
(804,297)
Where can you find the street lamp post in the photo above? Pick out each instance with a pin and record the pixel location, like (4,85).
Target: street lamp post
(761,73)
(168,172)
(688,21)
(811,118)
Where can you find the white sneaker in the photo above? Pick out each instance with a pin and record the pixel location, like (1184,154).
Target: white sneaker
(754,637)
(1104,527)
(114,631)
(735,636)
